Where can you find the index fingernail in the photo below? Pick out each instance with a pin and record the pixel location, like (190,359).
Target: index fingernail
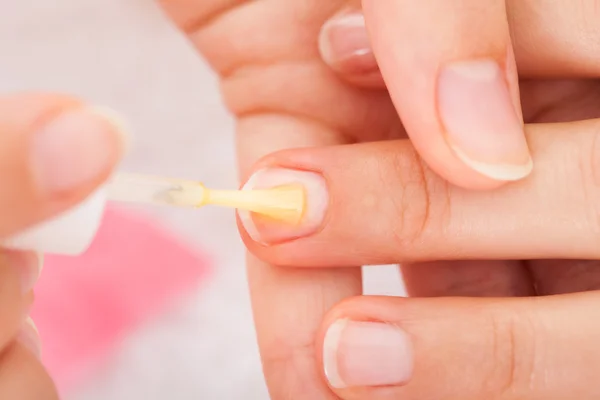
(267,230)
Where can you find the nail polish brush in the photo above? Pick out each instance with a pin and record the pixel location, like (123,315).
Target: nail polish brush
(72,232)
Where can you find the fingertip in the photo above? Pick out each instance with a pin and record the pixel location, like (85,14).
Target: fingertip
(479,120)
(386,347)
(77,148)
(56,151)
(361,351)
(344,45)
(274,228)
(454,87)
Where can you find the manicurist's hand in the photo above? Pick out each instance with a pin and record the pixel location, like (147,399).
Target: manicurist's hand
(54,151)
(306,74)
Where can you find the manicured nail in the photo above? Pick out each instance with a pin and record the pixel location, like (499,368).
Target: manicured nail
(268,230)
(344,44)
(366,354)
(482,126)
(28,265)
(75,148)
(29,336)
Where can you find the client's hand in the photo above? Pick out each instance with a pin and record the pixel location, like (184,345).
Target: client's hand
(452,77)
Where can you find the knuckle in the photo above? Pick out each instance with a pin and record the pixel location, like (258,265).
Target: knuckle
(514,338)
(421,203)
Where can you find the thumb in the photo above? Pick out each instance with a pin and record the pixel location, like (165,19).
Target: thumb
(54,151)
(396,348)
(450,71)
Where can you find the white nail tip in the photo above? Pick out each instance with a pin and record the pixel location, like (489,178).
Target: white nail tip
(330,354)
(348,20)
(500,172)
(246,216)
(479,70)
(352,19)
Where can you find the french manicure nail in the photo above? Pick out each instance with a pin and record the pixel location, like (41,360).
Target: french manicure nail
(357,353)
(27,264)
(481,123)
(75,148)
(344,43)
(29,336)
(268,230)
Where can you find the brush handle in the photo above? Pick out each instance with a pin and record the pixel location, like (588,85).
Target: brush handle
(136,188)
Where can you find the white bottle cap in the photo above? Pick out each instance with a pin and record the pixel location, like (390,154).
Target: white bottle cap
(69,233)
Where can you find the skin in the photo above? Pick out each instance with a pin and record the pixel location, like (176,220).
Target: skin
(286,96)
(282,91)
(29,201)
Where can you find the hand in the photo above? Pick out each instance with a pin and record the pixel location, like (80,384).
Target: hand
(53,152)
(274,79)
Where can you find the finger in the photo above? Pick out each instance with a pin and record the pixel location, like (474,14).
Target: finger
(281,297)
(257,70)
(269,82)
(53,152)
(345,46)
(391,348)
(454,87)
(549,40)
(18,273)
(23,377)
(374,203)
(467,278)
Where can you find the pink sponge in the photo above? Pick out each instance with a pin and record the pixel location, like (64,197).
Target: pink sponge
(84,305)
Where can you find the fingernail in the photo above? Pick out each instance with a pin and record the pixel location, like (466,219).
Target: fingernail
(482,126)
(366,354)
(75,148)
(28,265)
(269,231)
(29,336)
(344,43)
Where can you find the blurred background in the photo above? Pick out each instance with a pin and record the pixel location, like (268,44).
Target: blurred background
(159,306)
